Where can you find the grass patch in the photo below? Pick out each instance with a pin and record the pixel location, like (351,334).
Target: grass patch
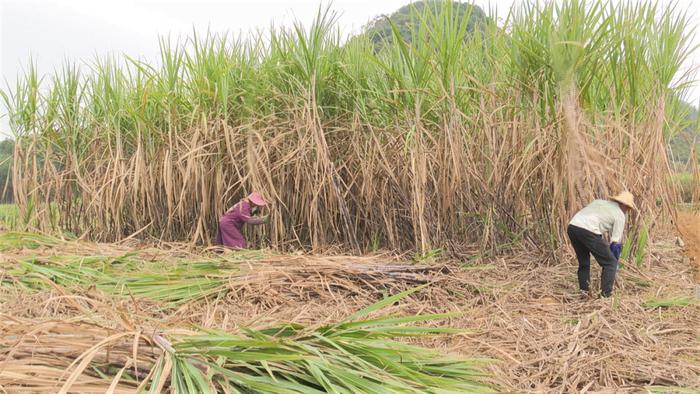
(469,267)
(639,282)
(669,302)
(672,389)
(15,240)
(171,282)
(9,214)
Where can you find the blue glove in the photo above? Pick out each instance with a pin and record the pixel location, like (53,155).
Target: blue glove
(616,249)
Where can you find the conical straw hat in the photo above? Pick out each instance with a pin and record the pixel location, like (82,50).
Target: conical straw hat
(257,199)
(625,198)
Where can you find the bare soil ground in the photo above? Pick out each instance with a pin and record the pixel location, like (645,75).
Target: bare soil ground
(689,228)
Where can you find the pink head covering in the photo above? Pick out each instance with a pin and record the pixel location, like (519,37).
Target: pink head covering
(257,199)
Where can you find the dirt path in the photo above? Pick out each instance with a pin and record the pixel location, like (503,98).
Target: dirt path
(689,227)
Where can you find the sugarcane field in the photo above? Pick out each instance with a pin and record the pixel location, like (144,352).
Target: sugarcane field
(433,196)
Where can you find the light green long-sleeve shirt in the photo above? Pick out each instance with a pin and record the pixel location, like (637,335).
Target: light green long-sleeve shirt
(601,217)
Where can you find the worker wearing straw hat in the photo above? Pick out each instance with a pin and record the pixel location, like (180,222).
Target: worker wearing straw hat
(231,223)
(586,231)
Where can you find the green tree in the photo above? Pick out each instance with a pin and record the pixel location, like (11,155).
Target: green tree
(680,144)
(6,148)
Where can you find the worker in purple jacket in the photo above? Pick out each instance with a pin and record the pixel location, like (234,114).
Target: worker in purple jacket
(231,223)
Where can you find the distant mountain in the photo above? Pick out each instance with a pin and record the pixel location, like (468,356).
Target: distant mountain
(380,32)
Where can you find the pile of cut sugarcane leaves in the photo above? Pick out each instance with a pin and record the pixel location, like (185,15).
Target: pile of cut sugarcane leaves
(357,355)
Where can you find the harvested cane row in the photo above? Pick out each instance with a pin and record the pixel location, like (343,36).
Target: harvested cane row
(351,356)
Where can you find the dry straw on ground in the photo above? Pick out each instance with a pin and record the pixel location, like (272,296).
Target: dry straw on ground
(523,313)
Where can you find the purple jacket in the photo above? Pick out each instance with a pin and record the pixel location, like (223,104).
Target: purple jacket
(231,225)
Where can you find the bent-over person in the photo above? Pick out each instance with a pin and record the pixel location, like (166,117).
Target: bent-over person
(231,223)
(586,231)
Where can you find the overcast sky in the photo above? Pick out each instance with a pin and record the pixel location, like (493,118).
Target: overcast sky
(52,31)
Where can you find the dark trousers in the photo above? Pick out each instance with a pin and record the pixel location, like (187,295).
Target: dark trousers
(586,243)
